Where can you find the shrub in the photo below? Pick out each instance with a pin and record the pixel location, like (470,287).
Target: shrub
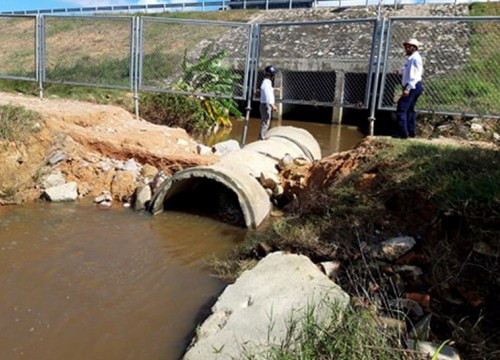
(174,110)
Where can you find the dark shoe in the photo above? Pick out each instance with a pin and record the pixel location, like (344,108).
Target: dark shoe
(412,134)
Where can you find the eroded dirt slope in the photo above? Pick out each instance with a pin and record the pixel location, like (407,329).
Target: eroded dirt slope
(88,134)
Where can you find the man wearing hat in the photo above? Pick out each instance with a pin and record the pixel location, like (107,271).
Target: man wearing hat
(411,79)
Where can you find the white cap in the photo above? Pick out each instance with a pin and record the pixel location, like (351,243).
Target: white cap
(413,42)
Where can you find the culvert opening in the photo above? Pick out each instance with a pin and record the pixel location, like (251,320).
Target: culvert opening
(205,197)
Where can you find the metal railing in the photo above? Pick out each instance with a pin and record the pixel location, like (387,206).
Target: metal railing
(215,5)
(337,63)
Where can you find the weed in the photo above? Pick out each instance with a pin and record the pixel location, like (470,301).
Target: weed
(16,123)
(344,334)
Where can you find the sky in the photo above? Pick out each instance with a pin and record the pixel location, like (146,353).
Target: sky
(14,5)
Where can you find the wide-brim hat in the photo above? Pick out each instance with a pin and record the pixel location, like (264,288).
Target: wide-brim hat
(413,42)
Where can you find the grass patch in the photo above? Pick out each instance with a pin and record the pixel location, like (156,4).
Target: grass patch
(17,123)
(228,16)
(346,334)
(445,196)
(86,70)
(473,88)
(95,95)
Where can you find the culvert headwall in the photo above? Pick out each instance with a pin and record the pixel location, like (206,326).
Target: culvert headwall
(246,173)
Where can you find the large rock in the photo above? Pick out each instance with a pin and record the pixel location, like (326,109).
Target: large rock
(64,192)
(258,307)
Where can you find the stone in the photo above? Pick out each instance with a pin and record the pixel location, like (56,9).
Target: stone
(203,150)
(55,178)
(64,192)
(105,196)
(225,147)
(430,349)
(149,171)
(57,158)
(394,248)
(132,166)
(258,307)
(142,197)
(122,185)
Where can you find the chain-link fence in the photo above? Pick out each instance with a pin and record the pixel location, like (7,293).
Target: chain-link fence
(93,51)
(194,57)
(461,63)
(18,47)
(328,63)
(320,63)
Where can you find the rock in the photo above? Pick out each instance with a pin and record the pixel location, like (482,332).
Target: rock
(225,147)
(142,197)
(258,307)
(64,192)
(430,349)
(285,162)
(57,158)
(123,185)
(329,268)
(105,196)
(203,150)
(149,171)
(56,178)
(408,270)
(394,248)
(477,128)
(132,166)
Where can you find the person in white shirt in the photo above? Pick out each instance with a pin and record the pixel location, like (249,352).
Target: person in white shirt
(267,100)
(411,79)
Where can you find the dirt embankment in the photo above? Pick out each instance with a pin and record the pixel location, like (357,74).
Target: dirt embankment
(91,139)
(87,136)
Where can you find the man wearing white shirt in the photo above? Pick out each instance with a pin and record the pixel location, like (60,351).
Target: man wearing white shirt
(267,100)
(412,88)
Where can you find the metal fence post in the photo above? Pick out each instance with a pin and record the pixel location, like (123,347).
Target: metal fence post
(136,41)
(374,91)
(251,71)
(40,53)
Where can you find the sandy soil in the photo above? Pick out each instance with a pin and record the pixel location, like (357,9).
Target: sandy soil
(89,134)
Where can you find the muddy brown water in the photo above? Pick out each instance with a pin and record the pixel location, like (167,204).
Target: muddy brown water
(79,282)
(331,138)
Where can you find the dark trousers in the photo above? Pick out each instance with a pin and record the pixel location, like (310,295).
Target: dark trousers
(406,111)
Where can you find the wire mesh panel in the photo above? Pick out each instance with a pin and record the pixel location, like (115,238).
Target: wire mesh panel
(18,59)
(88,51)
(461,64)
(320,63)
(195,57)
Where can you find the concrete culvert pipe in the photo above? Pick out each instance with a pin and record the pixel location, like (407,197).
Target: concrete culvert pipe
(230,193)
(230,189)
(300,137)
